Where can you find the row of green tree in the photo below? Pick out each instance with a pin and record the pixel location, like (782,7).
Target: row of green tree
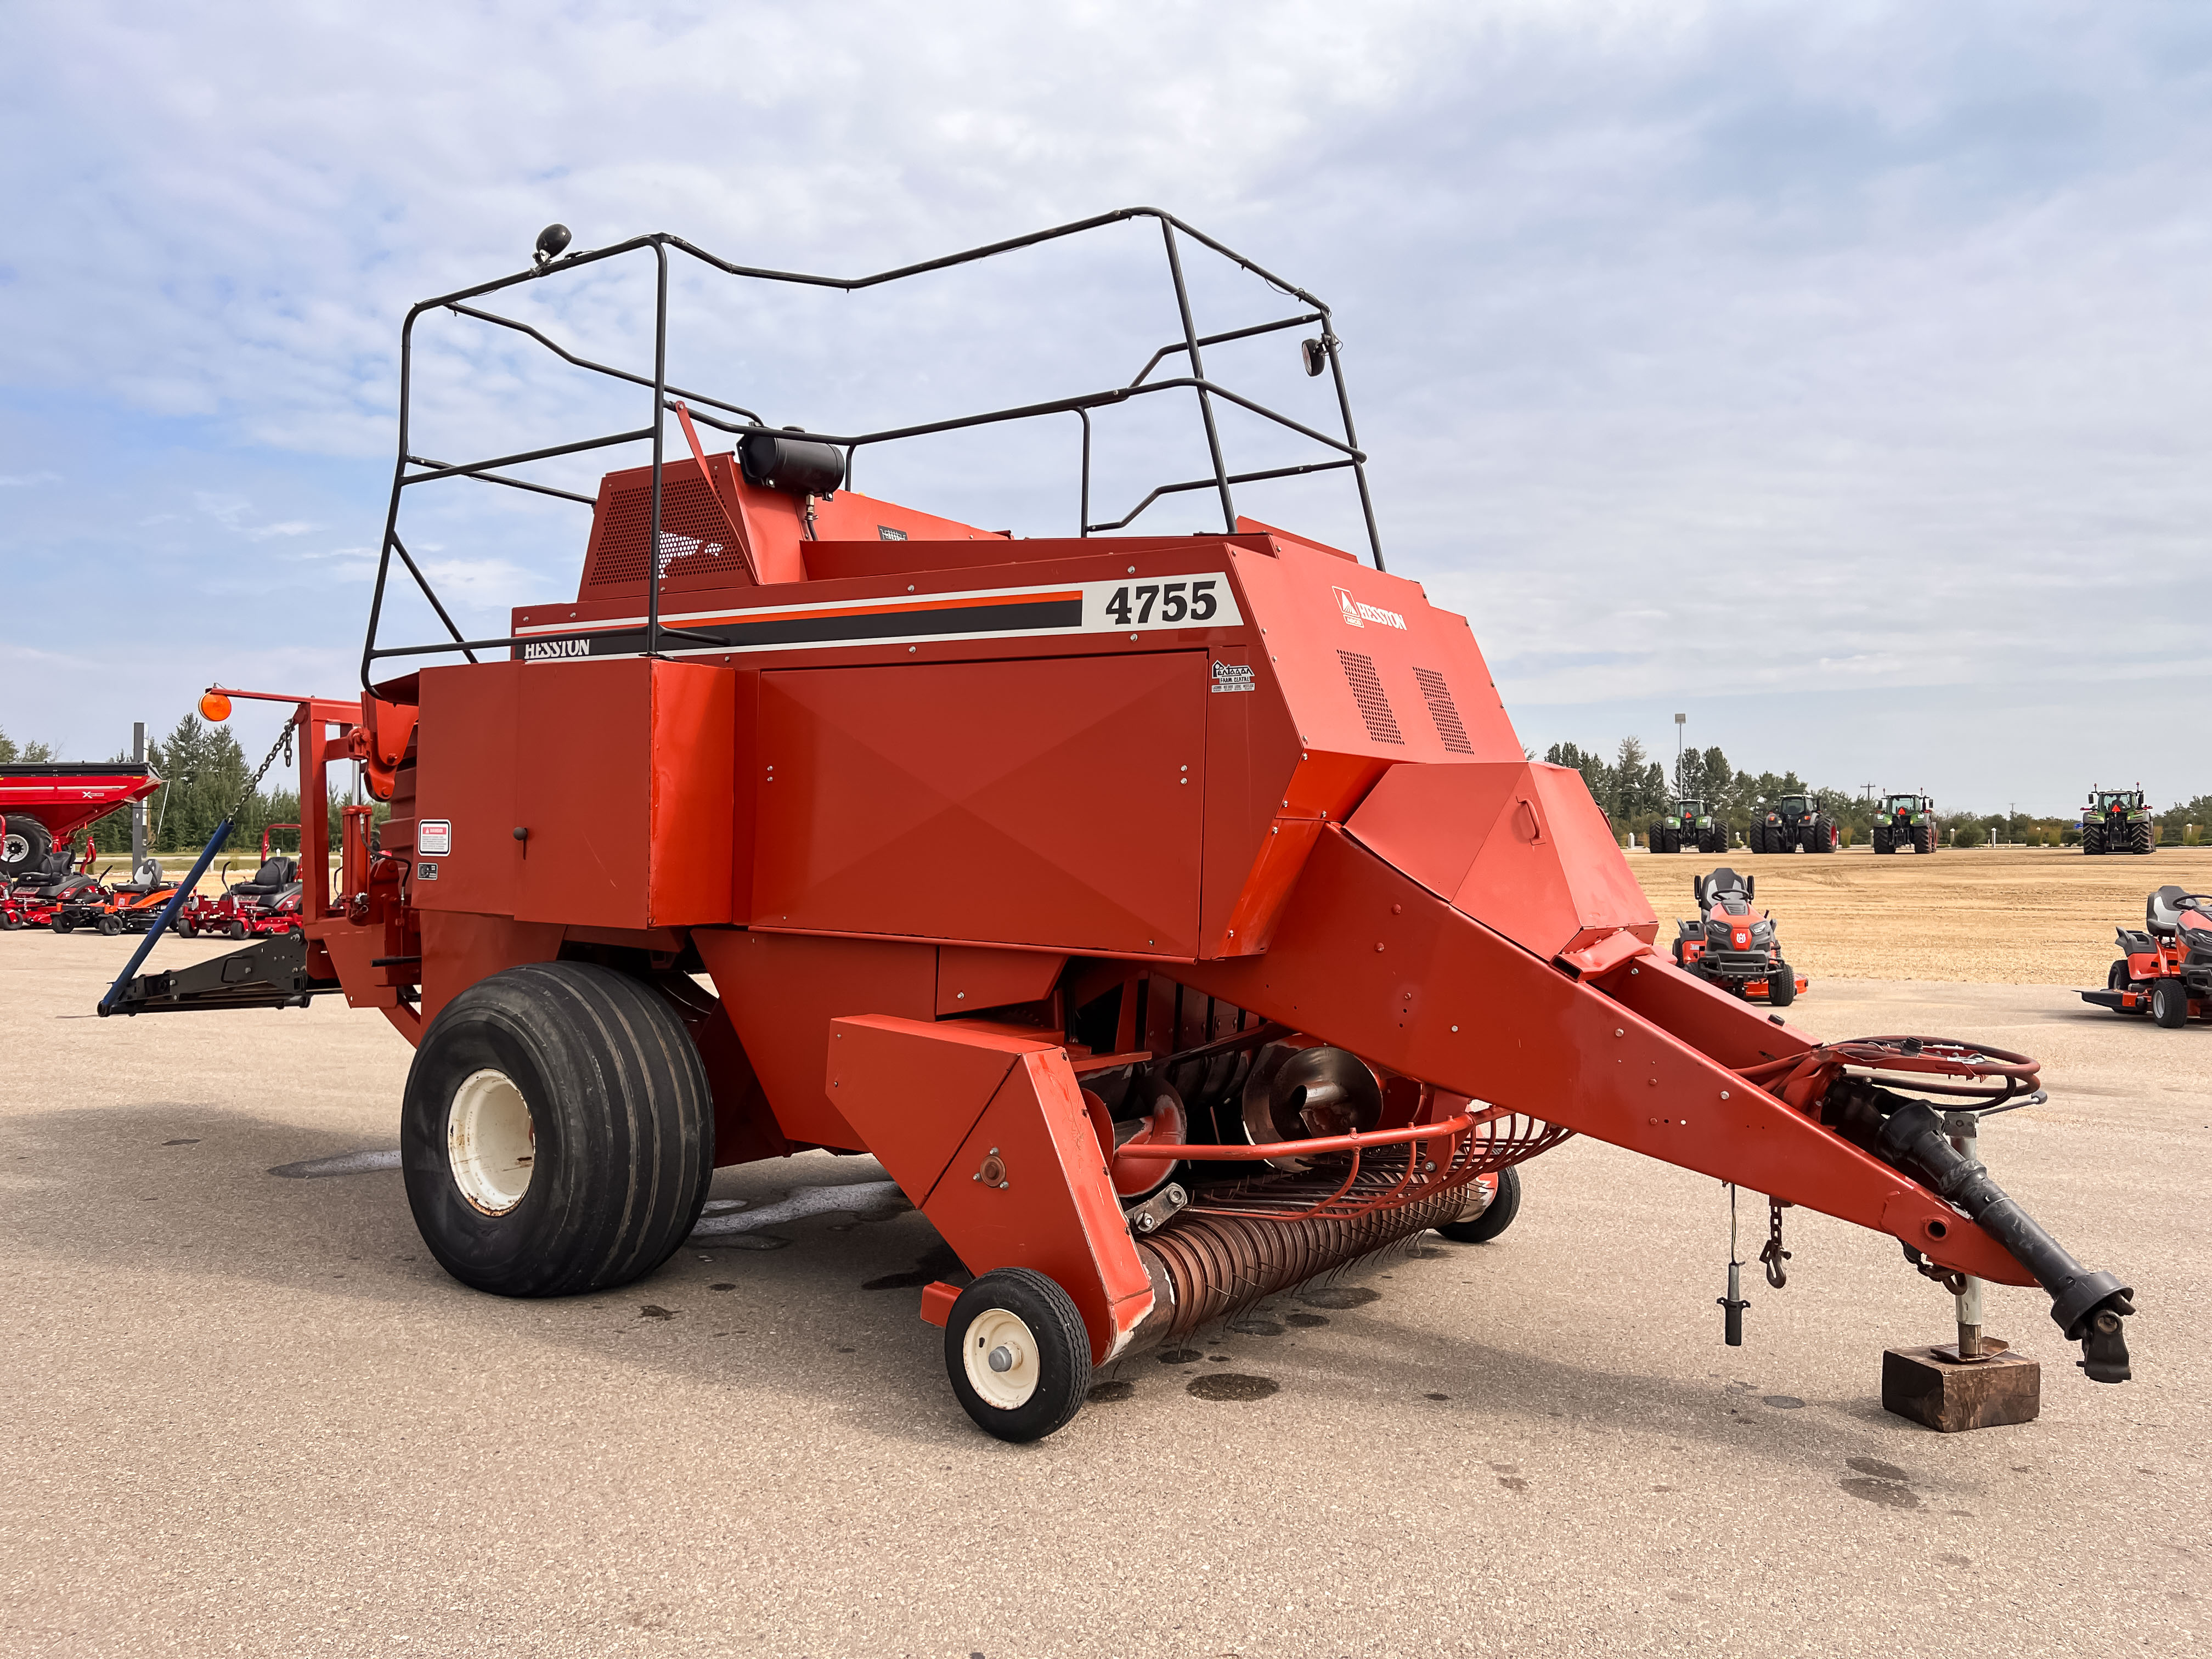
(204,771)
(1633,790)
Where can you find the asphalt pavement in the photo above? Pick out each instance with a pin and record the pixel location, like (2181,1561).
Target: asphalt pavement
(246,1414)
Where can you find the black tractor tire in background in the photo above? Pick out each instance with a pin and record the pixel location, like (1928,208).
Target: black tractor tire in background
(24,847)
(1781,985)
(615,1112)
(1714,839)
(1881,838)
(2092,838)
(1669,840)
(1826,837)
(1496,1217)
(1652,837)
(2140,838)
(1923,838)
(2169,1003)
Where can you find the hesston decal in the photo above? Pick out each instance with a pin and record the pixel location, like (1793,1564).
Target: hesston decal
(1358,614)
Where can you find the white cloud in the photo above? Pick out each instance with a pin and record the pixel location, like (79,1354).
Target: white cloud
(1696,345)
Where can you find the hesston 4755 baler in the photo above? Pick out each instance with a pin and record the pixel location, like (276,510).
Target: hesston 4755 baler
(1176,918)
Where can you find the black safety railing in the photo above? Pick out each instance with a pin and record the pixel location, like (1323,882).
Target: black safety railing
(1321,353)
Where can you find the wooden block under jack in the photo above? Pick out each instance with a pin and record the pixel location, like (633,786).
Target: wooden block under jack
(1931,1386)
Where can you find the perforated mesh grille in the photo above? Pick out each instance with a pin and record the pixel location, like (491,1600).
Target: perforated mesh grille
(1367,692)
(695,536)
(1443,711)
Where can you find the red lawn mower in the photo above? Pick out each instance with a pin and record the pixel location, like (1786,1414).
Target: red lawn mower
(38,894)
(270,903)
(1732,948)
(2165,970)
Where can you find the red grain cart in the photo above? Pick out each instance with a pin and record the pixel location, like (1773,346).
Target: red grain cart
(46,803)
(1174,917)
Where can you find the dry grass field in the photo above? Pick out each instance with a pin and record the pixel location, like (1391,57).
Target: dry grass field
(2011,915)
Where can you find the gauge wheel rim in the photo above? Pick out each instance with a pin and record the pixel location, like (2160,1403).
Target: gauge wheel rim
(1003,1332)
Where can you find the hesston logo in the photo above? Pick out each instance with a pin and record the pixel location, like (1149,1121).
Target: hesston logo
(1359,615)
(544,650)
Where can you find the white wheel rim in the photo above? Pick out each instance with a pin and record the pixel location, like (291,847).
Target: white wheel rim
(491,1141)
(18,848)
(994,1332)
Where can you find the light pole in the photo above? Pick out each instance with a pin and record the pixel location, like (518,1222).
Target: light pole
(1679,721)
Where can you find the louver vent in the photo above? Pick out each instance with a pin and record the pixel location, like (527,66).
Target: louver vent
(1443,711)
(695,540)
(1367,692)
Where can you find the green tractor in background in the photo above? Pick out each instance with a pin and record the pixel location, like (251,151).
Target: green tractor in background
(1793,822)
(1906,824)
(1690,829)
(2118,821)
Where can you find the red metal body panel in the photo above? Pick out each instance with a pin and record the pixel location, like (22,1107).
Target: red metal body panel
(970,980)
(465,775)
(619,773)
(1521,846)
(782,991)
(946,1106)
(1053,803)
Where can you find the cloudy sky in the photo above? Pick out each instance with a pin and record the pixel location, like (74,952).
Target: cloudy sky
(1839,376)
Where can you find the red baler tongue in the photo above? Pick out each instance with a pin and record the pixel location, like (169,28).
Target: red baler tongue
(1477,927)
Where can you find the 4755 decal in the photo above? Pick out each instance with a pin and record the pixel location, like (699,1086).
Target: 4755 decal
(1193,598)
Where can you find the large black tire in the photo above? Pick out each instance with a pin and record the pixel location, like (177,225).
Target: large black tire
(2140,838)
(1018,1316)
(1781,985)
(1923,838)
(2169,1003)
(1881,838)
(2116,977)
(1826,837)
(23,847)
(2092,838)
(585,1138)
(1669,841)
(1496,1217)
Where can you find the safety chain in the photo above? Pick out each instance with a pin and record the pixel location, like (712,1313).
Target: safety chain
(1774,1256)
(283,743)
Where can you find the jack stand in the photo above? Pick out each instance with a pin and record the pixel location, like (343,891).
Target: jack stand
(1733,1303)
(1975,1384)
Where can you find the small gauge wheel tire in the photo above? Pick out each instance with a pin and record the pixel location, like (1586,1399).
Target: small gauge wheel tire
(1496,1217)
(1018,1355)
(2116,977)
(2169,1003)
(1781,985)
